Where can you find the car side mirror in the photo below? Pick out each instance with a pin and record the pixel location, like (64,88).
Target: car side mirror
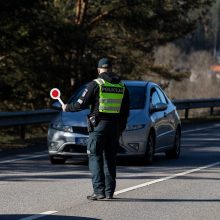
(158,107)
(57,106)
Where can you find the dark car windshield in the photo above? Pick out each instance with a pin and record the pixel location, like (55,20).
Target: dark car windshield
(77,94)
(137,97)
(136,94)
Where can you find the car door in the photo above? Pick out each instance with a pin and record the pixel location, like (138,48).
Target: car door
(168,120)
(160,121)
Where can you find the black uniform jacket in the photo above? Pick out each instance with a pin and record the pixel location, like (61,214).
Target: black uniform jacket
(90,96)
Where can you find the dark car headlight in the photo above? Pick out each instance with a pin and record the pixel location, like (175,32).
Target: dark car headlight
(61,127)
(134,127)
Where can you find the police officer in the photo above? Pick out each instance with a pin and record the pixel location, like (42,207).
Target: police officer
(109,101)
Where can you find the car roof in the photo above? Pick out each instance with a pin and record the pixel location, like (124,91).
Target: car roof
(135,82)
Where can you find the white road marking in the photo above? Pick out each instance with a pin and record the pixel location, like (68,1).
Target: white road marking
(23,158)
(200,129)
(166,178)
(46,213)
(200,139)
(40,215)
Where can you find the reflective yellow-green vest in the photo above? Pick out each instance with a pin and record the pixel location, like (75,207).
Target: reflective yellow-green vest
(110,96)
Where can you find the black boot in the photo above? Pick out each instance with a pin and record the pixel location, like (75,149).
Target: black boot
(95,196)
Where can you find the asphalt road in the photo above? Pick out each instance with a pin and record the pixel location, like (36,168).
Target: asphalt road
(187,188)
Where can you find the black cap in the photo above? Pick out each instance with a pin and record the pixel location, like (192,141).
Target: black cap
(104,63)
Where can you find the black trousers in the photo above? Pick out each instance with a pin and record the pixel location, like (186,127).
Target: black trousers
(102,149)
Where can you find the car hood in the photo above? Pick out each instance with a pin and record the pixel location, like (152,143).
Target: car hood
(79,118)
(137,116)
(75,118)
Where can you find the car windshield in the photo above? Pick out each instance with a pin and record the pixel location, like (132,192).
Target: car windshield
(136,94)
(137,97)
(77,94)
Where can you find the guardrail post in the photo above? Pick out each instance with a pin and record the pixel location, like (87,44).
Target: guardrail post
(186,113)
(211,110)
(22,132)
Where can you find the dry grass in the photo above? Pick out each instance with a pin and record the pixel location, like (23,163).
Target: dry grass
(201,84)
(10,137)
(203,113)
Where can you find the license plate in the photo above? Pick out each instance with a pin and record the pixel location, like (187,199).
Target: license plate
(81,140)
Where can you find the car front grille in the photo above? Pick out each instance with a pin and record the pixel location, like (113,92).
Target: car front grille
(73,148)
(121,150)
(80,130)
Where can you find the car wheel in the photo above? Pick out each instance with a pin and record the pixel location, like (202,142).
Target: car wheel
(149,154)
(175,152)
(56,160)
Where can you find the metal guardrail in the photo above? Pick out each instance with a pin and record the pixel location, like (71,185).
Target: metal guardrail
(45,116)
(26,118)
(186,104)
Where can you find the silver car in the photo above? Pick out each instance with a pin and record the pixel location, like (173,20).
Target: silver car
(153,126)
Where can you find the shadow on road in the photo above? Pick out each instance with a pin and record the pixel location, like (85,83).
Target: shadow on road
(51,217)
(160,200)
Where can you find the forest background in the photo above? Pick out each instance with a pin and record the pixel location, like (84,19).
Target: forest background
(57,43)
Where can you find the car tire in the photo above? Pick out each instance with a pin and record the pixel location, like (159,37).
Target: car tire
(56,160)
(175,152)
(150,148)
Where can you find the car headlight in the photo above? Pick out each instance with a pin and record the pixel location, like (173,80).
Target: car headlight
(62,127)
(134,127)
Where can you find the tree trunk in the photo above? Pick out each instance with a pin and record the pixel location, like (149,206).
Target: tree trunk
(81,8)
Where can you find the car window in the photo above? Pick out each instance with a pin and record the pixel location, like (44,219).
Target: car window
(137,97)
(136,94)
(155,97)
(162,97)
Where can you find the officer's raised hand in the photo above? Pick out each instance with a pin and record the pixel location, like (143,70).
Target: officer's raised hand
(64,107)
